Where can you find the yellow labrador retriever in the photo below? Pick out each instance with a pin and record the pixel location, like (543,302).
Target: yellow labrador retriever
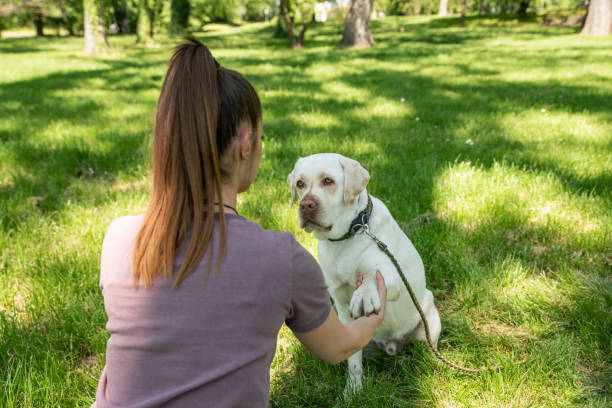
(333,205)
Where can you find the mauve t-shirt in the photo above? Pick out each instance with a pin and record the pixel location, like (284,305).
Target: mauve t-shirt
(210,342)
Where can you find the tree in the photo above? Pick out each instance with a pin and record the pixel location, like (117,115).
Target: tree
(207,11)
(6,9)
(292,11)
(443,10)
(523,6)
(148,11)
(37,15)
(463,9)
(92,36)
(484,7)
(37,10)
(102,22)
(255,10)
(179,16)
(599,18)
(121,14)
(67,18)
(357,25)
(41,13)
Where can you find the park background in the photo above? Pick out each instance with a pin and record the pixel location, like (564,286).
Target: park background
(488,135)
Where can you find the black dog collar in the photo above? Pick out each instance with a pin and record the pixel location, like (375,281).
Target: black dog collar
(359,222)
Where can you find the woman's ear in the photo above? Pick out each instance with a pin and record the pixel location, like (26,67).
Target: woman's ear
(355,179)
(244,140)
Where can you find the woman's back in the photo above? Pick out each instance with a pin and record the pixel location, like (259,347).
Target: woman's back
(210,341)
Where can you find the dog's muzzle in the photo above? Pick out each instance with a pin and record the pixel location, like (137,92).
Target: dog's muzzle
(309,210)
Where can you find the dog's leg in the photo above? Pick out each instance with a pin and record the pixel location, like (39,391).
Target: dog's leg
(433,321)
(355,372)
(355,364)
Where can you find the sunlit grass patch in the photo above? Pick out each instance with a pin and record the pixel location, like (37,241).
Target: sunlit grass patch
(473,195)
(343,91)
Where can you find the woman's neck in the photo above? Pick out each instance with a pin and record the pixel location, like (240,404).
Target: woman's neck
(229,198)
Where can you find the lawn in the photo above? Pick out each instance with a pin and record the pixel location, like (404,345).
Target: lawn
(491,145)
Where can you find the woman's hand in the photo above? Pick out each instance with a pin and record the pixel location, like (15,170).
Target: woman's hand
(334,341)
(382,292)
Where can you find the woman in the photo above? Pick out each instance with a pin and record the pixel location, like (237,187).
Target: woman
(195,293)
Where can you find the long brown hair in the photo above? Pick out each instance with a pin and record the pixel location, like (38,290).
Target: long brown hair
(198,114)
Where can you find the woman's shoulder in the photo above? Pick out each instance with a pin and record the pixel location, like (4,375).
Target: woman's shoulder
(257,233)
(125,225)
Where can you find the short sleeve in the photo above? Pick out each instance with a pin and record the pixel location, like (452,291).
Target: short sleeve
(310,304)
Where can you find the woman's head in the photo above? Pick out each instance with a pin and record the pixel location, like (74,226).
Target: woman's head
(204,114)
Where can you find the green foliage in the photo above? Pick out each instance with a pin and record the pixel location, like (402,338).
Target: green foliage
(149,12)
(222,11)
(300,11)
(414,7)
(56,14)
(123,13)
(179,20)
(296,16)
(255,9)
(499,133)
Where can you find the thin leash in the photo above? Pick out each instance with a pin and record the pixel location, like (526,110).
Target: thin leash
(383,247)
(363,226)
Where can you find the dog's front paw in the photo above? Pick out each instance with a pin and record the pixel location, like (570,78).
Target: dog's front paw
(365,300)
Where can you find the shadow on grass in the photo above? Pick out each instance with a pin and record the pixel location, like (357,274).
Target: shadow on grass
(44,171)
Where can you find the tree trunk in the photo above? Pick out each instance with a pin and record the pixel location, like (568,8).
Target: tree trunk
(284,12)
(484,7)
(443,10)
(357,25)
(38,21)
(102,22)
(118,7)
(143,25)
(179,16)
(65,19)
(463,7)
(90,17)
(599,18)
(300,40)
(151,24)
(523,6)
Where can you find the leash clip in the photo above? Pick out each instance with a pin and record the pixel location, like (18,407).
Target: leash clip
(366,230)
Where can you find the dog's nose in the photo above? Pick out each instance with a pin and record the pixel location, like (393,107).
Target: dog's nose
(308,205)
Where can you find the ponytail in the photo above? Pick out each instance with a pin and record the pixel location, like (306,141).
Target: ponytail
(199,111)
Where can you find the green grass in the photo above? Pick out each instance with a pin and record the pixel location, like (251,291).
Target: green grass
(502,132)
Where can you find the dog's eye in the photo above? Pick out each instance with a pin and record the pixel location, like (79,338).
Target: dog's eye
(327,181)
(300,184)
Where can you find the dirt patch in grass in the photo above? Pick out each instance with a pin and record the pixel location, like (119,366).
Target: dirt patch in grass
(17,303)
(497,328)
(88,364)
(131,185)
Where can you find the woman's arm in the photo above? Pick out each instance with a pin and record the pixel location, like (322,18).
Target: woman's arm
(334,341)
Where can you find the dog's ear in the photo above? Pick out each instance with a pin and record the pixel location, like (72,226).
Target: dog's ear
(291,181)
(355,179)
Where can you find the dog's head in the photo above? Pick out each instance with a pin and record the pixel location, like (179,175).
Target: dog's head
(326,185)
